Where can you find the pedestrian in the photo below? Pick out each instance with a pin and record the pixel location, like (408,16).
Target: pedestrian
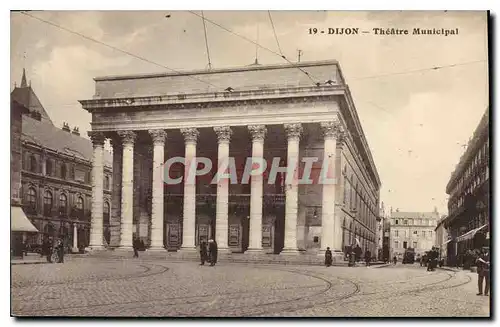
(48,250)
(483,271)
(60,251)
(394,260)
(328,257)
(203,252)
(368,257)
(135,246)
(212,249)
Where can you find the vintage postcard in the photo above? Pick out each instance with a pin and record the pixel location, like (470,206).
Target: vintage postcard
(250,164)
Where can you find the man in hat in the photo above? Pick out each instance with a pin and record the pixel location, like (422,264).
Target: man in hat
(328,257)
(212,252)
(483,271)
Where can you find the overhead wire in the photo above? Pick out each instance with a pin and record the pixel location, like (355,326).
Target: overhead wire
(206,40)
(113,47)
(257,44)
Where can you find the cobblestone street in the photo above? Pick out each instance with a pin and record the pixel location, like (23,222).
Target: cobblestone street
(94,287)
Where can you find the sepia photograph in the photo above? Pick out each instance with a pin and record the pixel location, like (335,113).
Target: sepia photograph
(241,164)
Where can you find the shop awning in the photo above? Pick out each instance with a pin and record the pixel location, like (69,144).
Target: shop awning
(470,234)
(446,242)
(19,222)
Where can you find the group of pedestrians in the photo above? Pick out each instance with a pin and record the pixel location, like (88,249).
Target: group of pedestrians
(208,253)
(53,251)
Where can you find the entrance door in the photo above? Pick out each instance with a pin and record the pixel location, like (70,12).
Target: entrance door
(279,230)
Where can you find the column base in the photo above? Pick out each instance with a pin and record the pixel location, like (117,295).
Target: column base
(75,250)
(289,252)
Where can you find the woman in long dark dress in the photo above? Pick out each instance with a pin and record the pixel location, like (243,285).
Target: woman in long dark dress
(328,257)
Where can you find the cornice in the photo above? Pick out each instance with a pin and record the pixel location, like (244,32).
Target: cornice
(214,99)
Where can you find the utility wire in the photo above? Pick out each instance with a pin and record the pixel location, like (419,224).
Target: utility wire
(274,31)
(206,40)
(419,70)
(253,42)
(113,47)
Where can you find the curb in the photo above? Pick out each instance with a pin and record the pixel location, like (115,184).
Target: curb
(449,269)
(29,263)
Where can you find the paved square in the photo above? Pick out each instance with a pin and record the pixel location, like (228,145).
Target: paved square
(97,287)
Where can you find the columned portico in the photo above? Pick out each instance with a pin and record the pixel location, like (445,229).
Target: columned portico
(189,210)
(221,216)
(258,133)
(127,212)
(96,227)
(293,132)
(158,136)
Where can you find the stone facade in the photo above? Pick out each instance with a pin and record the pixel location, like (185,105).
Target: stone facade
(272,112)
(413,230)
(55,176)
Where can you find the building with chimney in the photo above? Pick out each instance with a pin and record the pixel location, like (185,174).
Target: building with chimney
(55,180)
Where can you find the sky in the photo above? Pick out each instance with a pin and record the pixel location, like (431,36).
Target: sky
(416,119)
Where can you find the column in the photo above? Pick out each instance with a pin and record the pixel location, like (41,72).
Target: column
(158,137)
(258,133)
(221,216)
(293,132)
(189,214)
(127,200)
(75,238)
(96,228)
(116,193)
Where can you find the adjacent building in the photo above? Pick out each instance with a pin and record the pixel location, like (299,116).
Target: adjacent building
(441,237)
(469,190)
(413,230)
(54,166)
(288,112)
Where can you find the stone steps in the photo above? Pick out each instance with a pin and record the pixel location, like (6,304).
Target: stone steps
(279,259)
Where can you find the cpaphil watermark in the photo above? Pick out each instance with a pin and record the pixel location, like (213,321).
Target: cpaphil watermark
(309,170)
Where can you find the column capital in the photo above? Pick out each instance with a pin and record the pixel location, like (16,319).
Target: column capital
(128,137)
(158,135)
(190,134)
(332,128)
(293,131)
(258,132)
(97,138)
(223,133)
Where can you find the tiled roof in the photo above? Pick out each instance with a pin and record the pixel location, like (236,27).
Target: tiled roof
(413,215)
(27,97)
(51,137)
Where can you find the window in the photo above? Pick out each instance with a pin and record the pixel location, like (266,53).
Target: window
(63,171)
(396,233)
(47,203)
(405,245)
(345,189)
(31,198)
(414,245)
(415,232)
(423,233)
(48,167)
(396,221)
(405,222)
(106,183)
(316,239)
(33,164)
(63,205)
(79,203)
(396,244)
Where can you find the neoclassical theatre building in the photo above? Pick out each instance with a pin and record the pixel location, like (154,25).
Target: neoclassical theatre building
(276,111)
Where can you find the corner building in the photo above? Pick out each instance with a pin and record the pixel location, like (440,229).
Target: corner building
(257,111)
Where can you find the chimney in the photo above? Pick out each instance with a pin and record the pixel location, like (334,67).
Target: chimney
(76,131)
(66,127)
